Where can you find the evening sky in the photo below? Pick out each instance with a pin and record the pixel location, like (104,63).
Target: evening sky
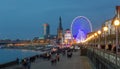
(24,19)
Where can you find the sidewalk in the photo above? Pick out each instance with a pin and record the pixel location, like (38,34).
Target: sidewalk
(76,62)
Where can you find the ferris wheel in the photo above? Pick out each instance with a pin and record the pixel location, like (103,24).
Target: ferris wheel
(80,27)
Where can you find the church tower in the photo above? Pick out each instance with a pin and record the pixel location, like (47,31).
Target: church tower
(60,30)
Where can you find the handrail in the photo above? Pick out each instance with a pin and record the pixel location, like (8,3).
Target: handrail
(108,55)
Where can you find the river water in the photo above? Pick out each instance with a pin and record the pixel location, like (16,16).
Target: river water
(7,55)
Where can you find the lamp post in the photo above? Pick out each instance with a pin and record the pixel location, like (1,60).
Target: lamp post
(105,29)
(116,23)
(95,34)
(99,32)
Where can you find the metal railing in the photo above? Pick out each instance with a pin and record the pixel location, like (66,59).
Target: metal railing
(106,55)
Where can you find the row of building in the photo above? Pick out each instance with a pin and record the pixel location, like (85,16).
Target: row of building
(62,37)
(47,34)
(111,30)
(108,23)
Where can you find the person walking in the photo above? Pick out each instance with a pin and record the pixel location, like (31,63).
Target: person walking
(53,60)
(28,64)
(24,63)
(17,60)
(57,57)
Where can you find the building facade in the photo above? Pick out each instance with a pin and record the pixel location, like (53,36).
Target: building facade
(111,28)
(109,23)
(46,31)
(68,38)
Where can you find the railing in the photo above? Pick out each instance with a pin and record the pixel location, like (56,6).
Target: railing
(106,55)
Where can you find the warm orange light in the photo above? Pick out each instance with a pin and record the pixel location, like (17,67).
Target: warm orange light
(95,34)
(116,22)
(99,32)
(105,28)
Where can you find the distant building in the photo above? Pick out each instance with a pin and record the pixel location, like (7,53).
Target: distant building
(46,31)
(68,37)
(68,34)
(60,31)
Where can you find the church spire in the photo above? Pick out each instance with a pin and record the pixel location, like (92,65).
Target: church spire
(60,30)
(60,23)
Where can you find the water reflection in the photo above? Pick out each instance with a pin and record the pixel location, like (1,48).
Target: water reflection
(7,55)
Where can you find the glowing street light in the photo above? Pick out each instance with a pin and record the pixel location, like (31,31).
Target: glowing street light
(116,22)
(105,28)
(99,32)
(95,34)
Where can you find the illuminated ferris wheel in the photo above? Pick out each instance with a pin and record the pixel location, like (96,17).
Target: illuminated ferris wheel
(80,27)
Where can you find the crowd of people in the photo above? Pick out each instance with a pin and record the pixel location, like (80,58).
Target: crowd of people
(109,47)
(53,57)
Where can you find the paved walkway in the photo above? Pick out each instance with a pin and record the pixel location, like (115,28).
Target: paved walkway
(76,62)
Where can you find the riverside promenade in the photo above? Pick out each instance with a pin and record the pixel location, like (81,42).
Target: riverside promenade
(75,62)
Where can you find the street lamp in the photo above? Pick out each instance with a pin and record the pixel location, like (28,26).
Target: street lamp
(116,23)
(99,32)
(105,29)
(95,34)
(93,39)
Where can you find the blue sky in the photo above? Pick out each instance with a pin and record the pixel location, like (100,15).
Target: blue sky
(24,19)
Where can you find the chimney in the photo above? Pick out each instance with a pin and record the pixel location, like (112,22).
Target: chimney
(118,11)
